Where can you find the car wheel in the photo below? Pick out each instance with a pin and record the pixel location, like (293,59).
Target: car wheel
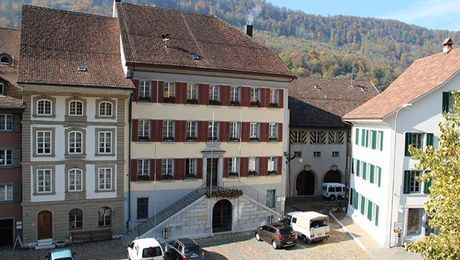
(304,239)
(332,197)
(274,245)
(258,237)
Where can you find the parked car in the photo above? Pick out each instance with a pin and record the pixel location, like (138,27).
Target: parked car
(61,254)
(184,248)
(145,248)
(333,190)
(277,234)
(309,225)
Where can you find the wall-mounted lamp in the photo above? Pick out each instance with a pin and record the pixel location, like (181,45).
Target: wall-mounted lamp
(290,157)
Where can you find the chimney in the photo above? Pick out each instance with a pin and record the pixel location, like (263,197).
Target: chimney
(447,45)
(249,30)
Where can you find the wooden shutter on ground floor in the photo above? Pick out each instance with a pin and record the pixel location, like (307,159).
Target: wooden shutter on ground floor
(203,131)
(263,162)
(224,131)
(280,133)
(244,163)
(264,132)
(279,169)
(158,169)
(136,90)
(156,130)
(153,170)
(225,173)
(203,94)
(17,195)
(408,142)
(427,185)
(16,157)
(406,186)
(134,129)
(445,101)
(180,130)
(199,166)
(429,139)
(133,170)
(179,169)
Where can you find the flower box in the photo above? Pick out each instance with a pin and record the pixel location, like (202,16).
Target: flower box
(143,178)
(192,101)
(213,139)
(271,173)
(235,103)
(253,173)
(191,176)
(233,174)
(214,102)
(272,139)
(143,139)
(190,139)
(168,139)
(254,139)
(255,104)
(165,177)
(273,105)
(234,139)
(144,99)
(169,100)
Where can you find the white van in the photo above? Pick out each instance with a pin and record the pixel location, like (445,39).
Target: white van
(309,225)
(333,190)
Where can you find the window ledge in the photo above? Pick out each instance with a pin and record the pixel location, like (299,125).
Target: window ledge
(104,191)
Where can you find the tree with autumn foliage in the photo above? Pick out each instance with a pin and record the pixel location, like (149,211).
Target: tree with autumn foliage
(442,166)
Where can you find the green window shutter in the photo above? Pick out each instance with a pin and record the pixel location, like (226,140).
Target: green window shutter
(371,175)
(364,170)
(379,171)
(408,142)
(352,166)
(367,138)
(358,166)
(369,210)
(374,139)
(363,137)
(429,139)
(357,136)
(355,201)
(376,215)
(352,192)
(363,204)
(427,185)
(406,182)
(381,140)
(445,101)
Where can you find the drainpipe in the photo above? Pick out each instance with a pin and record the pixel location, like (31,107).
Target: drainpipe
(129,161)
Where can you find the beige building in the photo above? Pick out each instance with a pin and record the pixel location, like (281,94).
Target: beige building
(74,127)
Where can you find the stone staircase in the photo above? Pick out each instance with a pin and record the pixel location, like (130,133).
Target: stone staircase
(165,214)
(45,244)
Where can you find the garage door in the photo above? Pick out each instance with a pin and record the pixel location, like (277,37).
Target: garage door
(6,229)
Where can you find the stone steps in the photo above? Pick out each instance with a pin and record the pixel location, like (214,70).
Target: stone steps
(45,244)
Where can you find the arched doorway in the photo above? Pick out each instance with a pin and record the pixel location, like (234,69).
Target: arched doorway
(305,183)
(333,176)
(222,216)
(44,225)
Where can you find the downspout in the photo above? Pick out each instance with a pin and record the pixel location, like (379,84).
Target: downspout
(349,153)
(129,160)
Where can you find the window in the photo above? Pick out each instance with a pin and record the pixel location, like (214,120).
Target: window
(254,131)
(363,204)
(192,92)
(2,89)
(336,137)
(370,208)
(75,177)
(44,107)
(317,137)
(415,140)
(192,132)
(274,97)
(105,109)
(234,131)
(5,59)
(317,154)
(379,141)
(235,95)
(234,166)
(75,219)
(6,157)
(142,208)
(105,217)
(75,108)
(213,131)
(105,179)
(43,181)
(411,185)
(253,165)
(145,90)
(255,96)
(144,130)
(414,221)
(335,154)
(167,166)
(6,192)
(191,167)
(168,130)
(75,139)
(6,122)
(296,136)
(43,144)
(272,165)
(447,102)
(273,131)
(169,90)
(105,142)
(143,169)
(214,94)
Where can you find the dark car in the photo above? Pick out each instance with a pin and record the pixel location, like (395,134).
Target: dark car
(184,248)
(277,234)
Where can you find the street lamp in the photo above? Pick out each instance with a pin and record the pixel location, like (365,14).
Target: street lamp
(290,157)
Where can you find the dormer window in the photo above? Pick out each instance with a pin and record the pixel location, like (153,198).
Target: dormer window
(2,89)
(5,59)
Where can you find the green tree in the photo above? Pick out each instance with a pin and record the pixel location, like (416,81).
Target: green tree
(443,205)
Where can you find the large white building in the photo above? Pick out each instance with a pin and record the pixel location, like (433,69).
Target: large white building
(385,196)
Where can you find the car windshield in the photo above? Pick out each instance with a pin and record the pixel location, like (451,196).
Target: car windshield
(324,188)
(318,223)
(285,231)
(151,252)
(192,250)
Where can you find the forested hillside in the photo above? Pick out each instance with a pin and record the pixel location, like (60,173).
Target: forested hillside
(334,46)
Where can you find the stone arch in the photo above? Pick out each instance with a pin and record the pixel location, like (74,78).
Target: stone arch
(222,216)
(333,175)
(305,183)
(44,224)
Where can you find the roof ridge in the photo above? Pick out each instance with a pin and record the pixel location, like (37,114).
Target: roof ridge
(66,11)
(10,29)
(170,9)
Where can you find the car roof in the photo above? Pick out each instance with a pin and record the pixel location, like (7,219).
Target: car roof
(61,253)
(278,225)
(307,214)
(147,242)
(187,241)
(333,184)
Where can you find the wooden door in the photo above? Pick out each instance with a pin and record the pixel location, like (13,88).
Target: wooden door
(211,171)
(45,225)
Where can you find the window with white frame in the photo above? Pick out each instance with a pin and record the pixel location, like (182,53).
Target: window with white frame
(274,96)
(75,139)
(143,167)
(6,122)
(414,185)
(192,132)
(214,94)
(43,142)
(167,166)
(254,131)
(6,192)
(75,219)
(75,177)
(235,94)
(255,95)
(252,167)
(272,165)
(144,130)
(105,142)
(145,90)
(44,107)
(169,89)
(191,166)
(273,131)
(43,182)
(6,157)
(234,165)
(417,140)
(104,179)
(105,109)
(235,131)
(75,108)
(213,131)
(104,217)
(168,130)
(192,91)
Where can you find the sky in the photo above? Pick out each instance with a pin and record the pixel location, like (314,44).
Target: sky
(432,14)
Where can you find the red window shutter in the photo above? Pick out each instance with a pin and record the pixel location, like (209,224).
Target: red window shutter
(136,90)
(225,174)
(199,169)
(181,93)
(133,170)
(158,169)
(152,169)
(264,132)
(203,94)
(263,161)
(265,97)
(244,164)
(281,91)
(203,131)
(180,131)
(280,132)
(179,169)
(279,171)
(134,130)
(160,91)
(224,131)
(245,96)
(245,132)
(157,130)
(225,95)
(154,94)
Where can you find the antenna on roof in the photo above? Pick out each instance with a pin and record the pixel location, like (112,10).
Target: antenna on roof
(165,38)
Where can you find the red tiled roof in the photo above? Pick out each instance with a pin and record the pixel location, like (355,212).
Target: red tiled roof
(221,46)
(9,44)
(423,76)
(55,43)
